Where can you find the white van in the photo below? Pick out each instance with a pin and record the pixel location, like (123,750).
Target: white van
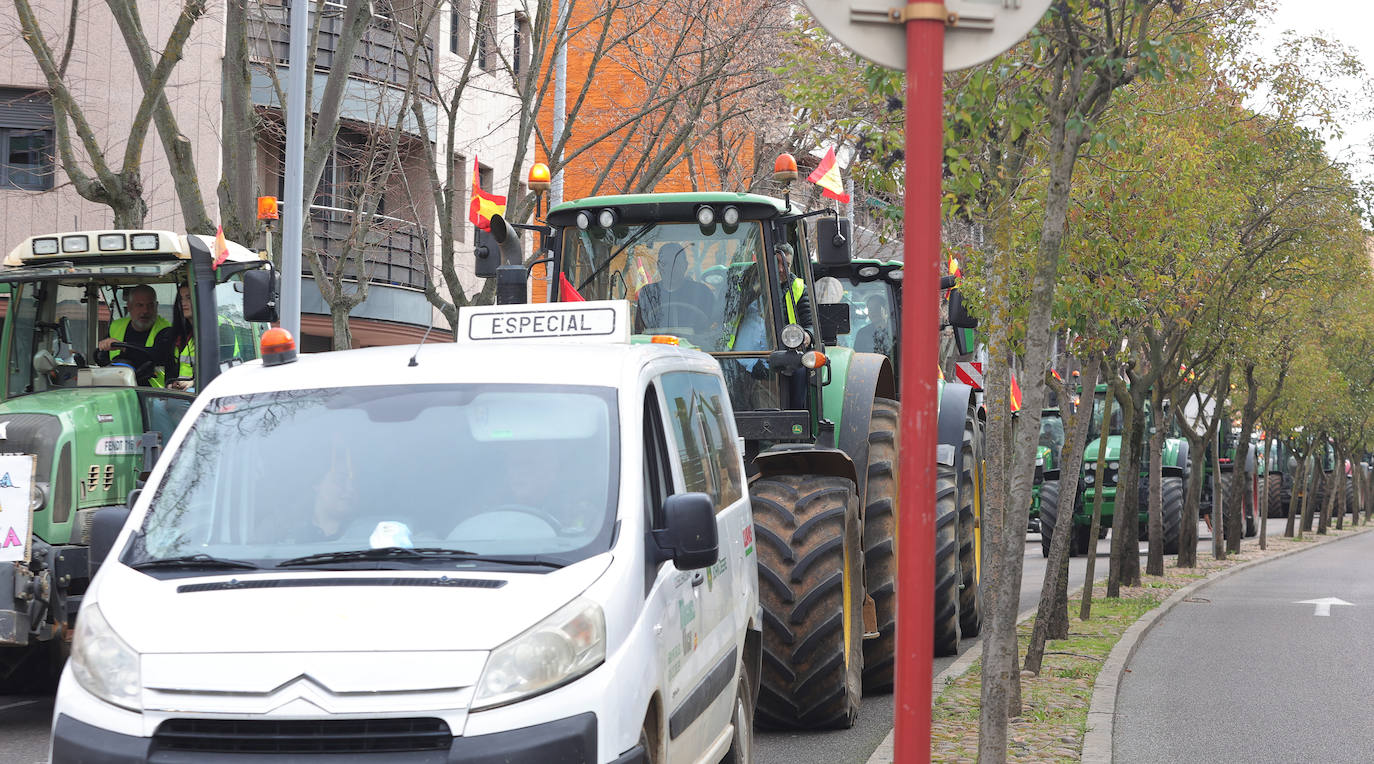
(533,545)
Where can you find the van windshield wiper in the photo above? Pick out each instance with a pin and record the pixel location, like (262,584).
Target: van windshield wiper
(198,560)
(406,553)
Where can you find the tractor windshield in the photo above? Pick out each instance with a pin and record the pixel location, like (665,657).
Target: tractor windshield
(510,471)
(1099,402)
(872,328)
(57,323)
(701,284)
(1052,432)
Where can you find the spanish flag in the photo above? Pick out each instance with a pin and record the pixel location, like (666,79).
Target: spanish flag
(827,176)
(484,204)
(221,249)
(1015,394)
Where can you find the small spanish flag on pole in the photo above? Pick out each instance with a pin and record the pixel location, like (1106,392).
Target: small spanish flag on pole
(827,176)
(484,204)
(221,248)
(1015,394)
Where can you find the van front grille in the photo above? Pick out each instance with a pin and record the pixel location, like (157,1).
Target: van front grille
(336,736)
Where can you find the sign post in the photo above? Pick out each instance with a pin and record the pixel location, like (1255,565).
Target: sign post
(926,39)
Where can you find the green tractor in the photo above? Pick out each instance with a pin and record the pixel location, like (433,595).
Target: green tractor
(1045,488)
(873,289)
(1175,471)
(819,421)
(89,432)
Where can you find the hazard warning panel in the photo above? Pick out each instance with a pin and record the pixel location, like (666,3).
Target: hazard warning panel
(970,373)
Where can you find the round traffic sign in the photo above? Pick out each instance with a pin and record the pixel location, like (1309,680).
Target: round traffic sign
(977,32)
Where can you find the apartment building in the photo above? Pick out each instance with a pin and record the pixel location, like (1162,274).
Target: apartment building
(409,46)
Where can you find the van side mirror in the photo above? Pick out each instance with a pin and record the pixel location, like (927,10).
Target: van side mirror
(689,538)
(833,241)
(260,289)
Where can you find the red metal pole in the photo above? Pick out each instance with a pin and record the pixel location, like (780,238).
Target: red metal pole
(925,42)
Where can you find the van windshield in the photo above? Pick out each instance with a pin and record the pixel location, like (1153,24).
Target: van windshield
(503,471)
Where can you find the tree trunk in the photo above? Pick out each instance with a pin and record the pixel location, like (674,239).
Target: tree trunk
(1218,526)
(1328,502)
(1338,475)
(238,138)
(1052,618)
(1154,565)
(1295,496)
(343,335)
(1085,607)
(1125,565)
(1310,487)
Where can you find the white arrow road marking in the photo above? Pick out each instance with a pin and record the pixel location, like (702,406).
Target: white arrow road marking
(1324,604)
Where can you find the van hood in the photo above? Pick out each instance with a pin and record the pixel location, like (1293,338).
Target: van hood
(334,611)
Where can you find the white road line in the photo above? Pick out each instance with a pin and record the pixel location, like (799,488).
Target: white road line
(20,703)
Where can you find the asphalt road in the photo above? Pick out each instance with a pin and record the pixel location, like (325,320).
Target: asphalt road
(856,745)
(1193,692)
(25,720)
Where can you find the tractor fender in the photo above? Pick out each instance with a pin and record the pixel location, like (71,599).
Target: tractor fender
(1175,461)
(804,459)
(955,399)
(869,376)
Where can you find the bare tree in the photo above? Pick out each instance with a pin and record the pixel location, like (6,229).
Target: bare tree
(119,184)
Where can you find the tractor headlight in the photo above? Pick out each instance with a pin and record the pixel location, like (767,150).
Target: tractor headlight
(606,218)
(793,336)
(730,215)
(1088,478)
(584,220)
(38,496)
(555,651)
(103,663)
(1113,466)
(705,215)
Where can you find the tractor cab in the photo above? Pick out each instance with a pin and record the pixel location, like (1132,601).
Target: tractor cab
(91,418)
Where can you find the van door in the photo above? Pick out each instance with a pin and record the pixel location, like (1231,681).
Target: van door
(669,593)
(708,462)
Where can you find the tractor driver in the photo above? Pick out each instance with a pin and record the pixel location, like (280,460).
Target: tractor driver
(146,338)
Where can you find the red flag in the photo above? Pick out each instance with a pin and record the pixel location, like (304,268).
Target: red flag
(484,204)
(566,292)
(1015,394)
(221,248)
(827,176)
(1055,372)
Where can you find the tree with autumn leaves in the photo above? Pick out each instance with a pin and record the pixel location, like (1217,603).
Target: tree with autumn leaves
(1136,199)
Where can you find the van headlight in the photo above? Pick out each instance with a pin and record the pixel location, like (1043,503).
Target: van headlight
(103,663)
(555,651)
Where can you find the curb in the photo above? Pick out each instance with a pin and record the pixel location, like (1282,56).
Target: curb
(885,753)
(1097,743)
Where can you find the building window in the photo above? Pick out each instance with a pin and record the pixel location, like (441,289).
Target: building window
(458,18)
(487,55)
(520,48)
(26,140)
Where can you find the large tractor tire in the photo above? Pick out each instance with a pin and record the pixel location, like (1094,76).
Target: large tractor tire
(947,575)
(1273,490)
(1349,495)
(880,543)
(1171,511)
(810,545)
(1049,512)
(970,509)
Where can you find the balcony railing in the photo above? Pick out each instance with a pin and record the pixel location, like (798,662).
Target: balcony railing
(395,251)
(380,55)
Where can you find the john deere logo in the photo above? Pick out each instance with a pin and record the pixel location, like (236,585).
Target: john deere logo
(796,429)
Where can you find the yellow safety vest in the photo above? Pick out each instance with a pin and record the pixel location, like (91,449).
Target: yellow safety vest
(120,326)
(187,359)
(790,300)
